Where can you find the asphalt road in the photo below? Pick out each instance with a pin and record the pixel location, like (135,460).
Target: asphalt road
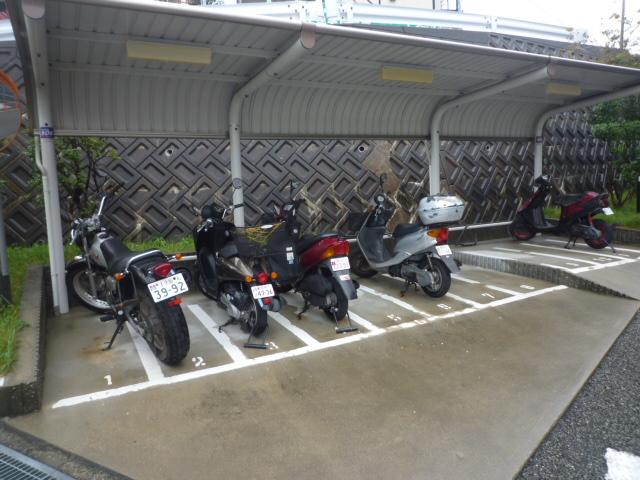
(605,414)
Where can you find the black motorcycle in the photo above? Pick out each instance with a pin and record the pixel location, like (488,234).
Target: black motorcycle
(141,288)
(233,270)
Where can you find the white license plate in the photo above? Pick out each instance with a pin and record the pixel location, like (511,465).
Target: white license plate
(443,250)
(340,263)
(607,211)
(168,287)
(262,291)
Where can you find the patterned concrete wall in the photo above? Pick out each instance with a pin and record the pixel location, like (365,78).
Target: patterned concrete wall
(161,178)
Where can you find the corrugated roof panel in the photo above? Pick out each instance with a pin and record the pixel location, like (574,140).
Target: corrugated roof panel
(334,89)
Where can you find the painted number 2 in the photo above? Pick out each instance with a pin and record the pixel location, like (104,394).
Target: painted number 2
(198,361)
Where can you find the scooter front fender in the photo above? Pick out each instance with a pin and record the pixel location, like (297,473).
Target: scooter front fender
(343,278)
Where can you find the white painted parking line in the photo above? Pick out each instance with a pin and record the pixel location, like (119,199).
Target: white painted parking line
(579,245)
(603,265)
(622,465)
(463,300)
(597,254)
(297,331)
(504,290)
(527,287)
(400,303)
(195,374)
(148,359)
(234,352)
(537,254)
(571,264)
(457,276)
(355,318)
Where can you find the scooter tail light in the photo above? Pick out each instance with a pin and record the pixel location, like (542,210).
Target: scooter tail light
(440,234)
(338,249)
(162,270)
(263,278)
(266,301)
(248,279)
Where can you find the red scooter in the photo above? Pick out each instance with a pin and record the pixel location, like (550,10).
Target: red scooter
(323,275)
(576,216)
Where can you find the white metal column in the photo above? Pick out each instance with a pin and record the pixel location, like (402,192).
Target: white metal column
(436,118)
(305,42)
(36,34)
(587,102)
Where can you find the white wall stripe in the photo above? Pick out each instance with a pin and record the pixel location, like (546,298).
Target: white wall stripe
(2,381)
(297,331)
(148,359)
(223,339)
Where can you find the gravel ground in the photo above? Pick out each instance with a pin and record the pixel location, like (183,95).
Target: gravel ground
(605,414)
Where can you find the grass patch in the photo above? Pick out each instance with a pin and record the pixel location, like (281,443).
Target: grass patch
(625,216)
(19,260)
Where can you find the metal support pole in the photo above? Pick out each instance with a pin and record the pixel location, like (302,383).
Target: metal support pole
(5,284)
(436,118)
(587,102)
(305,42)
(34,11)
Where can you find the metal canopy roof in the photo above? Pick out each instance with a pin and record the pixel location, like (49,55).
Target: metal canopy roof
(334,89)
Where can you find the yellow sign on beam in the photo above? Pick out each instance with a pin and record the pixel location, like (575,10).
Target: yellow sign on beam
(409,75)
(566,89)
(168,52)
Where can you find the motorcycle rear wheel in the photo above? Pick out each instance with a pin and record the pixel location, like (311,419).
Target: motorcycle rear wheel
(442,279)
(78,284)
(165,329)
(342,303)
(605,235)
(258,318)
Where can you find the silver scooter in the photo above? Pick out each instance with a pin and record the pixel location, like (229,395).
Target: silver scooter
(419,254)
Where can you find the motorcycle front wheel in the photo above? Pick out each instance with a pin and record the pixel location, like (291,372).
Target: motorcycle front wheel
(164,328)
(80,287)
(441,279)
(360,265)
(521,231)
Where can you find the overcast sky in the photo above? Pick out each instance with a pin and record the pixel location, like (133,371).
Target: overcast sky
(589,15)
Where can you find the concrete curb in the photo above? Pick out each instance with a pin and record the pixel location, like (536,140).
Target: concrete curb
(539,272)
(626,235)
(22,389)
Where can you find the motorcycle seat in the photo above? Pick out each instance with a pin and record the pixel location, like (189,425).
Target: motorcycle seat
(306,241)
(403,229)
(566,200)
(116,255)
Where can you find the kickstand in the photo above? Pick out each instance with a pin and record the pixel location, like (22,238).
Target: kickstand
(348,329)
(228,322)
(407,284)
(261,346)
(568,246)
(119,327)
(303,311)
(610,245)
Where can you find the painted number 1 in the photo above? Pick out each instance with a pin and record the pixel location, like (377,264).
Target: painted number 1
(108,379)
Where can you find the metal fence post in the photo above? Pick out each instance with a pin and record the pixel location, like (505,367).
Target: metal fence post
(5,284)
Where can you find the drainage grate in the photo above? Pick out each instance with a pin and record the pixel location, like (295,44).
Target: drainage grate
(15,466)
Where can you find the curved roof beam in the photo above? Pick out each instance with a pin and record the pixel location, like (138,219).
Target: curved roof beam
(544,73)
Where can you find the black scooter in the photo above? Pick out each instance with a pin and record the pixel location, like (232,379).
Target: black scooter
(234,271)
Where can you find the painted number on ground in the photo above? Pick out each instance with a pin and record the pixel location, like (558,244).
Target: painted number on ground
(198,361)
(108,379)
(394,317)
(485,294)
(444,306)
